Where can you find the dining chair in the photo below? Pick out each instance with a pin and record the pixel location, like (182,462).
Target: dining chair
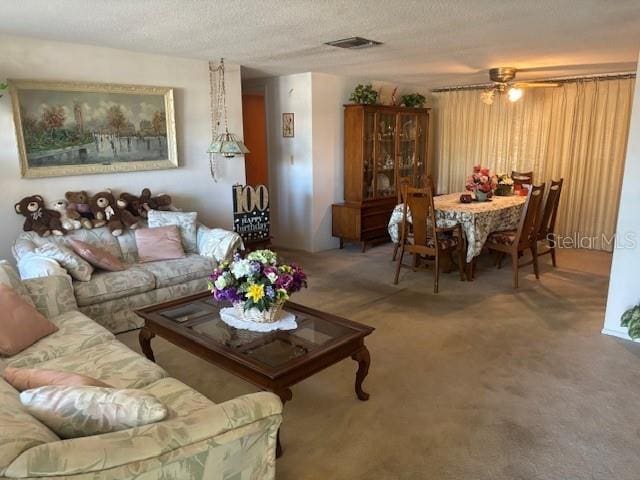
(524,237)
(401,181)
(546,232)
(522,178)
(426,239)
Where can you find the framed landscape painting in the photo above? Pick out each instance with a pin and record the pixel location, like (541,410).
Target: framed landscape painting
(74,128)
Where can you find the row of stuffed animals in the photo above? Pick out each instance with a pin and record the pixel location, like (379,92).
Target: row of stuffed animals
(79,210)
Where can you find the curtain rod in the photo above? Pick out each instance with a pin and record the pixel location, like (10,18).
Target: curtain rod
(576,78)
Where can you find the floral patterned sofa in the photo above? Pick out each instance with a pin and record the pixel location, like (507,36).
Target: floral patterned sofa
(200,440)
(109,298)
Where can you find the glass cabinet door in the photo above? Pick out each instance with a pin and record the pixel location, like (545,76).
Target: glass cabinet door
(407,146)
(368,155)
(385,152)
(421,157)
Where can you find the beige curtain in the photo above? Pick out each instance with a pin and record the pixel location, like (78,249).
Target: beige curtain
(577,131)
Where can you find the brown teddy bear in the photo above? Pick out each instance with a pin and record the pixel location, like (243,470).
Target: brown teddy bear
(39,219)
(79,209)
(104,208)
(134,205)
(159,202)
(126,216)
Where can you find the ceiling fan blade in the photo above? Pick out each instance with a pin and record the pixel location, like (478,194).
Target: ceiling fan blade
(535,85)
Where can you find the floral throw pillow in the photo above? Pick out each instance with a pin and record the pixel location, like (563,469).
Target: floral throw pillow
(82,411)
(77,267)
(185,221)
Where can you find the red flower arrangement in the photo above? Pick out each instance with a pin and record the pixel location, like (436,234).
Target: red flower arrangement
(481,179)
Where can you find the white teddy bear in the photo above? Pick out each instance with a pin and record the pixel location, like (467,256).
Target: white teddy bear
(67,223)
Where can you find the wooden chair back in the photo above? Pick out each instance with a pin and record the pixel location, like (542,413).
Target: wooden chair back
(420,202)
(548,220)
(522,178)
(402,181)
(530,218)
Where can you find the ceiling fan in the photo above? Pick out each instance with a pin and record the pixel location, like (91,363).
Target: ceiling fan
(502,78)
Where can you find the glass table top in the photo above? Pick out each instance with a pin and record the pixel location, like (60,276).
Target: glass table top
(272,349)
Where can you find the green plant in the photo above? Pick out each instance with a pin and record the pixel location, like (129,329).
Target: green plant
(364,94)
(631,320)
(3,86)
(412,100)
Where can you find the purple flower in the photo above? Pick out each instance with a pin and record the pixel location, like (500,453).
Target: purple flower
(270,292)
(255,266)
(230,294)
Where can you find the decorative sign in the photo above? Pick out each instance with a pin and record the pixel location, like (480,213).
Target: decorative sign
(251,212)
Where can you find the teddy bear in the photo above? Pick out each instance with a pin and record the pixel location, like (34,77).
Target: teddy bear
(39,219)
(134,205)
(66,215)
(127,217)
(104,207)
(159,202)
(79,203)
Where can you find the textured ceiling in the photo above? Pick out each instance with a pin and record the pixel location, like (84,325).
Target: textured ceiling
(426,42)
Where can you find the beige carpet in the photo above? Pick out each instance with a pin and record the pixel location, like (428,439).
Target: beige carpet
(479,382)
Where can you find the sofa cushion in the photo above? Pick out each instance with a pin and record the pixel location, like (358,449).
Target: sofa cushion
(186,223)
(20,431)
(159,243)
(105,286)
(73,263)
(111,362)
(180,270)
(101,237)
(75,332)
(177,396)
(82,411)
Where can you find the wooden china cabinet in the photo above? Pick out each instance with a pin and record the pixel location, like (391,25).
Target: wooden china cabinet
(381,144)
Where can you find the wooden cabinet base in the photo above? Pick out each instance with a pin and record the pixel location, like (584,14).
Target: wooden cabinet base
(364,223)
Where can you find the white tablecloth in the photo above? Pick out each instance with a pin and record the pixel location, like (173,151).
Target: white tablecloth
(478,219)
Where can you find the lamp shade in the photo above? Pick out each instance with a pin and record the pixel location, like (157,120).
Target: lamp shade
(228,145)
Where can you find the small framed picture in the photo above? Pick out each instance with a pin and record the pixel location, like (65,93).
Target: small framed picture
(287,125)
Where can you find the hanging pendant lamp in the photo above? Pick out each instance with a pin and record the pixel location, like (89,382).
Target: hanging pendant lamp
(226,144)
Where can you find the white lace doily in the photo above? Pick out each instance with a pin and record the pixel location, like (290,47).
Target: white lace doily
(286,321)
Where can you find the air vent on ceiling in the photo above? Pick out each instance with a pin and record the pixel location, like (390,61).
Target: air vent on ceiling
(354,42)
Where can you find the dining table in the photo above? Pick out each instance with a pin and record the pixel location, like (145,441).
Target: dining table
(477,219)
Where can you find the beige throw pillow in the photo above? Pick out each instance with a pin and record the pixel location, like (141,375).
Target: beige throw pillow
(26,378)
(82,411)
(161,243)
(21,325)
(77,267)
(96,256)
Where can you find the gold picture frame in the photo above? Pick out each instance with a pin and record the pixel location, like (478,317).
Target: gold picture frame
(81,128)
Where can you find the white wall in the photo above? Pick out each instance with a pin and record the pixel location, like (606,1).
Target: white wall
(623,283)
(302,190)
(191,186)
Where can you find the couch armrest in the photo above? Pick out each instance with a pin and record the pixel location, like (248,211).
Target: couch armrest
(52,295)
(218,243)
(153,446)
(32,265)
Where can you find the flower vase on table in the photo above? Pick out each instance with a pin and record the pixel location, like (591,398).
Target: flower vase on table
(257,286)
(481,183)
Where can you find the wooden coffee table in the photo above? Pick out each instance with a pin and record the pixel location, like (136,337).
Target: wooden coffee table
(273,361)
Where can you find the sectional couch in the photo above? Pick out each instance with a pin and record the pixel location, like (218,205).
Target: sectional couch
(109,298)
(233,440)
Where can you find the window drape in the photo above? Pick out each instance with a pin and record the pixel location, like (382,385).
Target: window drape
(577,131)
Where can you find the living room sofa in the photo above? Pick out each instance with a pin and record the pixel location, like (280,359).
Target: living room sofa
(200,440)
(110,298)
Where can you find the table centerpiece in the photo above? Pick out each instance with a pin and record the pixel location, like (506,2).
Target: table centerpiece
(257,286)
(504,185)
(481,183)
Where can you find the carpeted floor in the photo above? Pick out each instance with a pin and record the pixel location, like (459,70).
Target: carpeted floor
(479,382)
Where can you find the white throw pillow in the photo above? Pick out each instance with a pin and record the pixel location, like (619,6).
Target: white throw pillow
(82,411)
(185,221)
(77,266)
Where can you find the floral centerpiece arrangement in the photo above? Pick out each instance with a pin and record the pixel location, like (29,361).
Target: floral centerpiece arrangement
(504,185)
(481,182)
(257,285)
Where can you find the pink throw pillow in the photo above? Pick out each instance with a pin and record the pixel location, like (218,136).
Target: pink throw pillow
(21,325)
(97,256)
(27,378)
(159,243)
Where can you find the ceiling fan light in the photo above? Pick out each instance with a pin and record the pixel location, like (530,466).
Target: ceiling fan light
(514,94)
